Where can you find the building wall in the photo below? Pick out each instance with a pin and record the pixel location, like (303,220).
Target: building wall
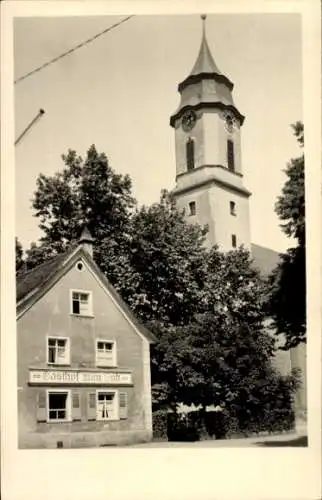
(203,209)
(215,141)
(51,316)
(299,361)
(226,223)
(213,209)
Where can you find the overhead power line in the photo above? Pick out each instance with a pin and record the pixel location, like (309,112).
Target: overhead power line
(73,49)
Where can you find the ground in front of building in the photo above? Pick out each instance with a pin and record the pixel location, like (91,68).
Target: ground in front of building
(296,439)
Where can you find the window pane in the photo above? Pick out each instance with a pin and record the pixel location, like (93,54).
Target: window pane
(192,208)
(61,342)
(57,400)
(51,342)
(75,295)
(100,345)
(75,307)
(51,355)
(108,346)
(84,297)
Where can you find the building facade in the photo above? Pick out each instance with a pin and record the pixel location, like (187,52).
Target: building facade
(83,358)
(209,177)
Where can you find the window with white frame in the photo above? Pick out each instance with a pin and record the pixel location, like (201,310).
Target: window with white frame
(105,352)
(58,350)
(58,406)
(106,405)
(81,303)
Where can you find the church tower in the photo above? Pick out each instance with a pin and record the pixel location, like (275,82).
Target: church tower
(209,177)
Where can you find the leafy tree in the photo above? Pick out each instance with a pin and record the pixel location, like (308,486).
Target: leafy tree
(223,354)
(290,206)
(287,302)
(19,255)
(165,265)
(86,192)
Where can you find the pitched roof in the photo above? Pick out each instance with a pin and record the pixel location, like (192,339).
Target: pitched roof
(32,280)
(32,284)
(265,259)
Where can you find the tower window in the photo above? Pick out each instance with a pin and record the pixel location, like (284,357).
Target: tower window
(192,208)
(232,206)
(230,155)
(233,241)
(190,154)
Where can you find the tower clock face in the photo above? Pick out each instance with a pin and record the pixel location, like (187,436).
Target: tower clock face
(188,120)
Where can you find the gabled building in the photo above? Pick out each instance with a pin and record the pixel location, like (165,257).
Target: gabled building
(209,175)
(83,358)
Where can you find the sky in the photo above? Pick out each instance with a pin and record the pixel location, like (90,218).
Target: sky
(119,91)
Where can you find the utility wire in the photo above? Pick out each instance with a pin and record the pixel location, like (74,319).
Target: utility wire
(70,51)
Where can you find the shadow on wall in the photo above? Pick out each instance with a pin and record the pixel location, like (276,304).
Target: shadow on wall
(300,441)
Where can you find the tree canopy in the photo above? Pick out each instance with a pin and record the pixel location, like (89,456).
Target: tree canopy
(287,303)
(86,192)
(224,353)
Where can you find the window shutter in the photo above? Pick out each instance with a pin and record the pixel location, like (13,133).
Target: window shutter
(41,406)
(76,409)
(91,406)
(123,405)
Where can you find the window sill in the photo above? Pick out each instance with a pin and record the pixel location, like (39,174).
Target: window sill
(82,315)
(105,421)
(105,366)
(59,421)
(58,365)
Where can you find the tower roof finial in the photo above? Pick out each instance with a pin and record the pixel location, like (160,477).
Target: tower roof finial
(203,18)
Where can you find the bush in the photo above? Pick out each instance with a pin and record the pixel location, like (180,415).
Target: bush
(183,427)
(160,424)
(269,410)
(193,426)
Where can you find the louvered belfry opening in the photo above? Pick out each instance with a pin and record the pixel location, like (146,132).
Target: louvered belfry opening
(190,154)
